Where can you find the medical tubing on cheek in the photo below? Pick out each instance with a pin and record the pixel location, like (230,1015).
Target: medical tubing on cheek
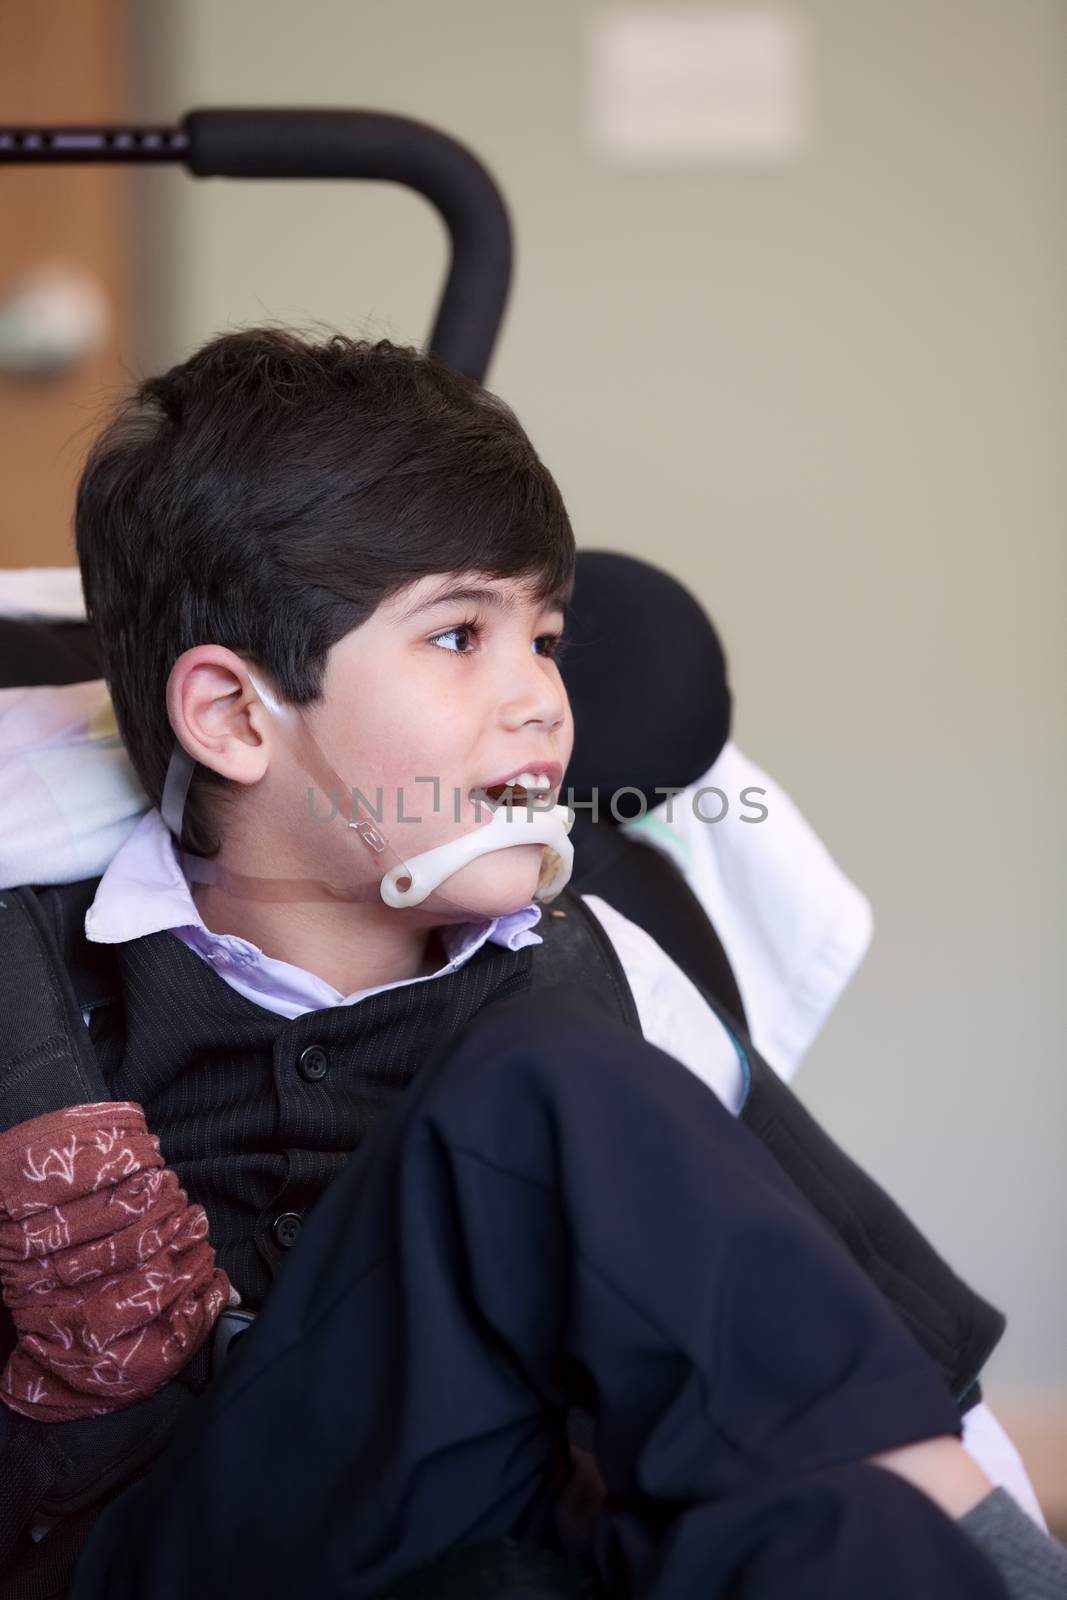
(405,882)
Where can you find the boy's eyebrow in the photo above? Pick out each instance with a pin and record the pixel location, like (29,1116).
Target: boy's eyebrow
(475,595)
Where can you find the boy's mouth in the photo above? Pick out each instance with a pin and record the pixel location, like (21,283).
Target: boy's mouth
(527,788)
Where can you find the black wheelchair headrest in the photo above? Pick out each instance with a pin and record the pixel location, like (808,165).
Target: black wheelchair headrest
(647,681)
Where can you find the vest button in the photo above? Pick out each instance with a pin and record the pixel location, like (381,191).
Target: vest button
(286,1229)
(313,1063)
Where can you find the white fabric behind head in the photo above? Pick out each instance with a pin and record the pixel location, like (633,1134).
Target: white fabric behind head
(793,926)
(42,593)
(68,794)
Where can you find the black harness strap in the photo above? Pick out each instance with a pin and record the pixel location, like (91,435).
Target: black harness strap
(577,950)
(47,1063)
(955,1326)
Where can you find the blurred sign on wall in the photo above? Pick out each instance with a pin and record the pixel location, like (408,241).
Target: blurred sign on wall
(698,85)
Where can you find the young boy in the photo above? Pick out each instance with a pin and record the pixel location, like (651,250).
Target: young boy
(360,534)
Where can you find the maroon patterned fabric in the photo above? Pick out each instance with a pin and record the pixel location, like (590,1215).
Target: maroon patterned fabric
(106,1268)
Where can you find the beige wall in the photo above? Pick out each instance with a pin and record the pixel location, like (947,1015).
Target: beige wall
(832,399)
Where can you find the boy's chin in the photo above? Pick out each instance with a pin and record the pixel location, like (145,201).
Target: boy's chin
(495,885)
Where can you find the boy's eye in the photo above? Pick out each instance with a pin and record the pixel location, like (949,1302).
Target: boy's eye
(458,632)
(552,644)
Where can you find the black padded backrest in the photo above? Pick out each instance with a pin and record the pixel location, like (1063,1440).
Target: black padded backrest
(46,652)
(647,680)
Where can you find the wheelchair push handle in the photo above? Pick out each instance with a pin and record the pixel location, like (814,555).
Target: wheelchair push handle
(322,143)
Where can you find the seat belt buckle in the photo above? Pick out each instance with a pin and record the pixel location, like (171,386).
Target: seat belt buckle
(228,1329)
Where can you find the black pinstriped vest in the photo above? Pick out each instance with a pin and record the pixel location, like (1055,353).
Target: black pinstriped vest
(255,1112)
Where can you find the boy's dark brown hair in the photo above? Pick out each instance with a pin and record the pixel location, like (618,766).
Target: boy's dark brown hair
(269,494)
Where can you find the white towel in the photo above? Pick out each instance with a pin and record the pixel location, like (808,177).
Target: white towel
(41,593)
(69,796)
(793,926)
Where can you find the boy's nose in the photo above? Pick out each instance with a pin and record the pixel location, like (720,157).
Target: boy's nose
(532,696)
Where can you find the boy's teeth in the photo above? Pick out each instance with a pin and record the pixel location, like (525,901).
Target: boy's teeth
(524,783)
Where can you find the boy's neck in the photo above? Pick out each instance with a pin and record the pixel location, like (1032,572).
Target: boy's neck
(352,947)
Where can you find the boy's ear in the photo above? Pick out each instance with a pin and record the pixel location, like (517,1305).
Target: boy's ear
(216,714)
